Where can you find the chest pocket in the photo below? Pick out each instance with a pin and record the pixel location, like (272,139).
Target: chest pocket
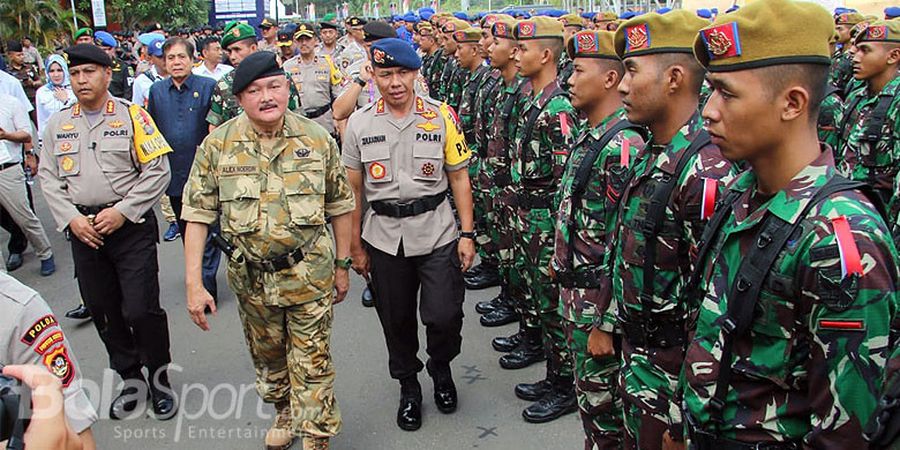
(666,242)
(377,161)
(304,190)
(428,161)
(114,156)
(68,159)
(239,199)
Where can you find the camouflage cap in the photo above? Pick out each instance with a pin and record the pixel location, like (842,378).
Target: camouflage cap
(592,44)
(505,28)
(766,33)
(848,18)
(880,31)
(539,27)
(453,24)
(235,32)
(673,32)
(469,35)
(304,30)
(572,20)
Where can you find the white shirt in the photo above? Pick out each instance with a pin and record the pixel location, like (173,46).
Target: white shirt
(13,118)
(140,90)
(11,86)
(217,74)
(47,104)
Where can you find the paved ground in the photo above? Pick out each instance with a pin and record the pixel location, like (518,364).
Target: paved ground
(220,409)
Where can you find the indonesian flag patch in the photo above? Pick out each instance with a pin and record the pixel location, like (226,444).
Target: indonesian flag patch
(708,201)
(851,263)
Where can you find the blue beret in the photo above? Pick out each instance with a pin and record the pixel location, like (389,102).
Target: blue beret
(461,16)
(425,15)
(410,17)
(663,10)
(105,39)
(393,52)
(627,15)
(147,38)
(704,13)
(588,15)
(891,12)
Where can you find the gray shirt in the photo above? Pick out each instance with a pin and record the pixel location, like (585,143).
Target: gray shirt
(403,160)
(319,82)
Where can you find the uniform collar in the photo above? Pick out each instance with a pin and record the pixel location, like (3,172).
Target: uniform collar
(544,96)
(244,131)
(418,106)
(185,86)
(668,158)
(790,202)
(595,133)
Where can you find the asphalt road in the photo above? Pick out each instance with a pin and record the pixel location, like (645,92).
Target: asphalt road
(214,377)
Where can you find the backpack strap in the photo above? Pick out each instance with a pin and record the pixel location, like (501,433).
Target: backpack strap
(535,112)
(873,131)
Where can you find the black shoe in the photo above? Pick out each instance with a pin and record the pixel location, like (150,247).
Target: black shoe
(490,305)
(368,300)
(499,317)
(409,414)
(489,277)
(557,403)
(444,389)
(79,312)
(533,392)
(529,351)
(128,400)
(474,271)
(507,344)
(13,262)
(161,398)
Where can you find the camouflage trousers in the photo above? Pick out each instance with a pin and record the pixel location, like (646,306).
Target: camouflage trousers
(482,207)
(596,386)
(503,232)
(289,347)
(534,249)
(647,382)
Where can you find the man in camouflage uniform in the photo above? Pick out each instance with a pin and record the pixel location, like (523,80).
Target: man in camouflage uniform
(870,125)
(829,111)
(841,71)
(430,51)
(282,263)
(438,60)
(452,77)
(588,196)
(798,275)
(545,131)
(572,23)
(239,42)
(662,211)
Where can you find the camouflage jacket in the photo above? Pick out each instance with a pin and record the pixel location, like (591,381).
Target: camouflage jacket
(432,67)
(873,163)
(271,200)
(451,83)
(224,105)
(827,125)
(687,211)
(811,364)
(538,161)
(468,105)
(486,107)
(581,238)
(564,70)
(841,71)
(495,168)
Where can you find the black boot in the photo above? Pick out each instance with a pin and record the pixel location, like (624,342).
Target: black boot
(127,402)
(161,395)
(507,344)
(488,277)
(501,300)
(499,317)
(559,401)
(409,414)
(528,352)
(444,389)
(533,392)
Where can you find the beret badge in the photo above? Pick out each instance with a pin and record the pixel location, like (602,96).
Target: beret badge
(638,37)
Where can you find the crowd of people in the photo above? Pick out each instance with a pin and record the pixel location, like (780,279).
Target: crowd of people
(692,216)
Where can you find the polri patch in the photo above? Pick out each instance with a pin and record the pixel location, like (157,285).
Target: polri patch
(38,328)
(58,363)
(54,338)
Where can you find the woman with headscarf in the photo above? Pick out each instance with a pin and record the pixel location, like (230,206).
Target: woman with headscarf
(57,93)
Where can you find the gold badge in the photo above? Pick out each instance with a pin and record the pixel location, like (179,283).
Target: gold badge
(67,164)
(428,115)
(428,126)
(68,127)
(65,146)
(116,124)
(236,32)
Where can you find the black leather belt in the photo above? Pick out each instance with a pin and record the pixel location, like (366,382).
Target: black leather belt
(312,113)
(588,279)
(408,209)
(92,210)
(279,263)
(655,333)
(5,166)
(528,201)
(704,440)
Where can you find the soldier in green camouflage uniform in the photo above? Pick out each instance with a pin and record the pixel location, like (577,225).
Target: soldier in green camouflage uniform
(545,131)
(799,278)
(681,177)
(239,41)
(868,154)
(282,260)
(452,77)
(841,71)
(588,201)
(828,120)
(431,55)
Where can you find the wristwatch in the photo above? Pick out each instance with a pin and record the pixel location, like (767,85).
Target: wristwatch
(359,81)
(343,263)
(467,235)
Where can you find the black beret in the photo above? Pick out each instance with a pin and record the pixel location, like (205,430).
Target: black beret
(258,65)
(376,30)
(14,46)
(327,26)
(87,54)
(356,21)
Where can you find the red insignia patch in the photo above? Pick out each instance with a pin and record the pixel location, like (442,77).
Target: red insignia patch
(526,29)
(842,325)
(54,338)
(420,105)
(38,328)
(500,29)
(377,171)
(110,107)
(379,107)
(877,33)
(428,169)
(722,41)
(586,43)
(58,363)
(378,56)
(637,37)
(449,27)
(76,110)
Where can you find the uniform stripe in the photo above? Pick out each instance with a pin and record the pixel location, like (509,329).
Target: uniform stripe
(850,260)
(841,324)
(564,123)
(708,202)
(625,155)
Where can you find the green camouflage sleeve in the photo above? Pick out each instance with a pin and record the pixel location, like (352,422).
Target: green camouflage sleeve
(201,192)
(339,198)
(216,114)
(294,100)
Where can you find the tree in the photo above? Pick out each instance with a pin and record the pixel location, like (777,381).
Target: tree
(43,20)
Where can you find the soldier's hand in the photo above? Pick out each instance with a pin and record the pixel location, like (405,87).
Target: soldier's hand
(81,228)
(671,444)
(466,251)
(600,344)
(366,72)
(341,284)
(360,262)
(198,299)
(108,221)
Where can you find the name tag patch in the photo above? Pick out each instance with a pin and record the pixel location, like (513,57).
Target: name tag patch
(238,170)
(368,140)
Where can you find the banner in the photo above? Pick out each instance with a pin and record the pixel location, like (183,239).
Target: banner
(98,8)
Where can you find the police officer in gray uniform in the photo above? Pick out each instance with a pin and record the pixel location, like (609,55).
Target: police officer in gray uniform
(32,335)
(104,169)
(402,152)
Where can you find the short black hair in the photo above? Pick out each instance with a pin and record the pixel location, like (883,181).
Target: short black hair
(696,73)
(555,46)
(812,77)
(206,42)
(178,40)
